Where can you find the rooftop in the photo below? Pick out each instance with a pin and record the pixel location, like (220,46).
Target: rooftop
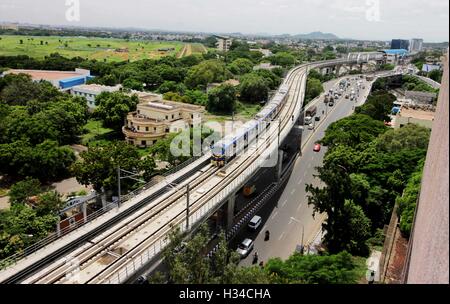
(169,105)
(97,87)
(396,51)
(49,75)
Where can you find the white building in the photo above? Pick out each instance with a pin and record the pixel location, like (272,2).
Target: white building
(91,91)
(265,52)
(416,45)
(265,66)
(223,43)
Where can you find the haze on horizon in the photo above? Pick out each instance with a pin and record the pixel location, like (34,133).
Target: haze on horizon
(356,19)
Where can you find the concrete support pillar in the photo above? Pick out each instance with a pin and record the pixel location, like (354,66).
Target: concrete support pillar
(58,228)
(84,207)
(279,164)
(230,210)
(103,196)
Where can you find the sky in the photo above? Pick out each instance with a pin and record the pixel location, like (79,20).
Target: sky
(357,19)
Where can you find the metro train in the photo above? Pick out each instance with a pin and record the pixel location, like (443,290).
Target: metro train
(229,146)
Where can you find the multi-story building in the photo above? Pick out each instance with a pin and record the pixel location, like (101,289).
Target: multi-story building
(416,45)
(155,117)
(63,80)
(91,91)
(223,43)
(397,44)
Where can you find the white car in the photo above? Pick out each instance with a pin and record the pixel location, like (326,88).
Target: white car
(245,248)
(255,222)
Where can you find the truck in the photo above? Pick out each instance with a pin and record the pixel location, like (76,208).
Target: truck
(311,112)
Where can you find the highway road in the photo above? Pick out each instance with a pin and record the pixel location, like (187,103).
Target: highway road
(285,233)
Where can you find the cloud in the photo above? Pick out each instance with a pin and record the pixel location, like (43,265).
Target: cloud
(346,18)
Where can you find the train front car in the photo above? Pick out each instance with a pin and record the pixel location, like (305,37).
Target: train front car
(218,154)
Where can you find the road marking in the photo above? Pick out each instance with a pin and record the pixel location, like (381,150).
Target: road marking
(299,206)
(293,191)
(281,236)
(274,215)
(284,203)
(300,181)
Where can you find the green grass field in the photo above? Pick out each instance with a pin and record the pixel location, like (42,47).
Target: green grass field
(95,133)
(102,49)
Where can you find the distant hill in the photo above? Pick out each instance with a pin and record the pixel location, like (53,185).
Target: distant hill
(317,36)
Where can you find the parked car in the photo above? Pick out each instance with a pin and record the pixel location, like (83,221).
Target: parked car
(245,247)
(316,148)
(311,126)
(255,222)
(317,118)
(331,104)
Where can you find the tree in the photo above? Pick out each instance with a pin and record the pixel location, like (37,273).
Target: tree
(273,80)
(168,86)
(112,108)
(378,106)
(19,89)
(355,131)
(206,72)
(21,226)
(46,161)
(133,84)
(98,166)
(407,202)
(197,97)
(222,99)
(409,137)
(314,269)
(49,203)
(253,88)
(187,262)
(22,190)
(313,89)
(436,75)
(241,66)
(282,58)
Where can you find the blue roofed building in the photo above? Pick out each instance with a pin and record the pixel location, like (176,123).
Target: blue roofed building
(394,55)
(63,80)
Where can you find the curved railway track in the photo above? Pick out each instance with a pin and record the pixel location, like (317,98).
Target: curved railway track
(111,246)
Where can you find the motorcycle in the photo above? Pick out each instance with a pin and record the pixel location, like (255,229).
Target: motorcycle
(267,235)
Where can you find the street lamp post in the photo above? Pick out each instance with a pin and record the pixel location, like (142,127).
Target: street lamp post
(187,207)
(303,231)
(131,175)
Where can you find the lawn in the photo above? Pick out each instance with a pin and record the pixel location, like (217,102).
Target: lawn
(104,49)
(96,133)
(247,111)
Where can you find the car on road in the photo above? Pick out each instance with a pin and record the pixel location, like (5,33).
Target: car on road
(316,147)
(255,222)
(311,126)
(245,247)
(331,104)
(317,118)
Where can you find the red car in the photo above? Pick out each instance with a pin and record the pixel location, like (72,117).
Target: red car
(316,148)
